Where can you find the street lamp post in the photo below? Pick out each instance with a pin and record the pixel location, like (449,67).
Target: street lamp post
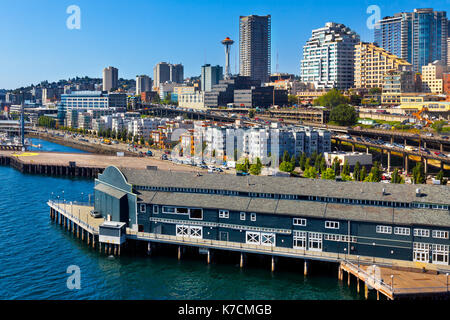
(392,282)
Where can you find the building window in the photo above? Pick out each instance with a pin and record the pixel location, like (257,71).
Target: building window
(440,254)
(402,231)
(421,252)
(438,234)
(155,209)
(224,214)
(168,209)
(253,216)
(299,238)
(196,214)
(421,233)
(182,210)
(268,239)
(331,225)
(142,207)
(315,241)
(299,222)
(242,216)
(384,229)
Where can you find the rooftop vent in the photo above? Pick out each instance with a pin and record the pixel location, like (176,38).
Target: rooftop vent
(384,191)
(152,168)
(418,192)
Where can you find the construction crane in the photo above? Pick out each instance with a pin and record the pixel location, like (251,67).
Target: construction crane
(419,116)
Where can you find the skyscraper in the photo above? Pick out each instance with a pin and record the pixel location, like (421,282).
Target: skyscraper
(328,57)
(166,72)
(161,73)
(255,47)
(110,79)
(418,37)
(177,73)
(143,84)
(211,75)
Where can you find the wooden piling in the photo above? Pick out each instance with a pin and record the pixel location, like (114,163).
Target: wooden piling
(273,264)
(305,268)
(179,252)
(241,263)
(366,291)
(208,257)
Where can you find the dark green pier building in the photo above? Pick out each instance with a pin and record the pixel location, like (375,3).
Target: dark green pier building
(299,218)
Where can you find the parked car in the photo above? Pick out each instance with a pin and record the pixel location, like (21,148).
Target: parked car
(95,214)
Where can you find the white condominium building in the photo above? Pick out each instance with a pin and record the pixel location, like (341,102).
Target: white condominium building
(328,57)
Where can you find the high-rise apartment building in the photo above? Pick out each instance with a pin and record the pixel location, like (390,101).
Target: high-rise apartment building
(211,75)
(166,72)
(372,63)
(143,84)
(255,47)
(419,37)
(329,57)
(110,79)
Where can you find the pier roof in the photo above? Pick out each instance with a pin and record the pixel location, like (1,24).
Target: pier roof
(313,209)
(431,194)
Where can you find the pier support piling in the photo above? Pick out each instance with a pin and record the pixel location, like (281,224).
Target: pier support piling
(273,264)
(366,291)
(241,262)
(208,257)
(179,252)
(305,268)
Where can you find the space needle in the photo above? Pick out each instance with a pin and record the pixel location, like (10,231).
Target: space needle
(227,43)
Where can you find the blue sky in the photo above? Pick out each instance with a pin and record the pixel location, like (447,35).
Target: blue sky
(134,35)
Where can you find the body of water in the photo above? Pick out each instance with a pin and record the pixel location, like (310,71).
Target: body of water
(35,254)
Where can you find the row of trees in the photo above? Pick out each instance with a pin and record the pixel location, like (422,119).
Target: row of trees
(47,122)
(342,113)
(254,169)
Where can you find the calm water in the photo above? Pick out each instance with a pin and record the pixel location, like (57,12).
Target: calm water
(35,254)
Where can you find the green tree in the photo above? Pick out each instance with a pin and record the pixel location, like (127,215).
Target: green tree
(331,99)
(310,173)
(418,173)
(375,172)
(328,174)
(293,162)
(438,126)
(374,91)
(255,169)
(336,166)
(363,174)
(251,113)
(440,177)
(286,166)
(243,166)
(357,171)
(286,157)
(346,168)
(396,177)
(344,115)
(292,99)
(323,165)
(302,161)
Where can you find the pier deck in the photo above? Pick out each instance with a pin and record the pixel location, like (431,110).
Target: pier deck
(395,282)
(58,163)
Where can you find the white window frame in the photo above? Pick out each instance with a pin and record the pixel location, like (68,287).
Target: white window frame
(185,213)
(224,214)
(252,216)
(331,225)
(425,233)
(155,209)
(440,254)
(242,216)
(440,234)
(421,252)
(182,231)
(164,209)
(299,239)
(315,238)
(142,207)
(384,229)
(299,222)
(402,231)
(201,210)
